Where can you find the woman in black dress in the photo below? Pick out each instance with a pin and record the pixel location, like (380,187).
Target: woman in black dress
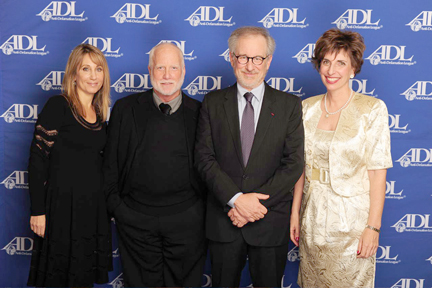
(72,242)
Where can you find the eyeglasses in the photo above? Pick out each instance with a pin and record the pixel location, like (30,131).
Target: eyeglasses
(257,60)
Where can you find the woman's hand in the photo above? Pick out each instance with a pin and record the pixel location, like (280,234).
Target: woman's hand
(295,210)
(37,225)
(295,228)
(368,243)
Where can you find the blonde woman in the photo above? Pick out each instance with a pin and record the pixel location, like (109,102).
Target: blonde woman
(72,241)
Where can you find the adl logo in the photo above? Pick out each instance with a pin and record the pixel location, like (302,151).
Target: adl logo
(117,282)
(305,54)
(52,81)
(207,280)
(357,18)
(416,157)
(409,283)
(418,91)
(115,253)
(282,283)
(383,256)
(61,11)
(285,85)
(135,13)
(413,223)
(395,126)
(23,113)
(359,86)
(225,55)
(23,44)
(104,44)
(390,191)
(423,22)
(203,84)
(283,17)
(209,16)
(131,82)
(17,179)
(19,246)
(391,55)
(181,45)
(294,254)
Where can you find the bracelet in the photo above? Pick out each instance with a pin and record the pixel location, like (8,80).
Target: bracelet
(373,228)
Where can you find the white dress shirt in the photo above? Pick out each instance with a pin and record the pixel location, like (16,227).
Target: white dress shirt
(256,102)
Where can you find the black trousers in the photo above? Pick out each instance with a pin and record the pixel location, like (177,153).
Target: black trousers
(266,264)
(162,251)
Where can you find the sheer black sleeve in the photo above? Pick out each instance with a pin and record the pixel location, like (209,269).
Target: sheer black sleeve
(44,138)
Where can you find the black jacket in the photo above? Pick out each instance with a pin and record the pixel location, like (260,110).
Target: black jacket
(275,163)
(126,130)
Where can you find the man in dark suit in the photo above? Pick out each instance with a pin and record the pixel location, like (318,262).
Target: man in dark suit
(151,185)
(249,151)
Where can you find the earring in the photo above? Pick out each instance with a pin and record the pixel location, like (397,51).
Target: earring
(352,76)
(74,82)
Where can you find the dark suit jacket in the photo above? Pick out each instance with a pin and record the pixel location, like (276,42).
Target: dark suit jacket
(274,166)
(126,131)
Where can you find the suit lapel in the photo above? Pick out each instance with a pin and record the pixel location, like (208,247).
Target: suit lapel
(190,121)
(264,121)
(232,114)
(141,113)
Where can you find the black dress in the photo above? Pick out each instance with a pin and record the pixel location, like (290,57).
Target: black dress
(65,178)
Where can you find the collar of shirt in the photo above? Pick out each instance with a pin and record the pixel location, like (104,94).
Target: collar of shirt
(175,103)
(258,93)
(257,101)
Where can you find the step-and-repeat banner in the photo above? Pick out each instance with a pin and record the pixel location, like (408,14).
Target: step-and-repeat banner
(36,38)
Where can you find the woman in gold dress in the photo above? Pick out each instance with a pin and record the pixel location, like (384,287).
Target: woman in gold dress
(338,201)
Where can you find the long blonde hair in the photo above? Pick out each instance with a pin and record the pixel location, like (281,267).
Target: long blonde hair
(101,100)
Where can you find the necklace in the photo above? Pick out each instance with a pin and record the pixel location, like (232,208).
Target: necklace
(337,111)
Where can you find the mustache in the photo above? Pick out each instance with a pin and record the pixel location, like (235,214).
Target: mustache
(250,72)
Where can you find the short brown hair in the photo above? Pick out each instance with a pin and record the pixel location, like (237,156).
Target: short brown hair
(101,100)
(334,41)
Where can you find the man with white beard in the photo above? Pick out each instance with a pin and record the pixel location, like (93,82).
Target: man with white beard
(151,186)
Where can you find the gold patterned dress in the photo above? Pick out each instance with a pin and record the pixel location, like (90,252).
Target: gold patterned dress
(335,203)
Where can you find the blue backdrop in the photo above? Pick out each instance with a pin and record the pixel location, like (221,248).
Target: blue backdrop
(36,38)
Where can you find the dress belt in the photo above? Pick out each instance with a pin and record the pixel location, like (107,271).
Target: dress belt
(321,174)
